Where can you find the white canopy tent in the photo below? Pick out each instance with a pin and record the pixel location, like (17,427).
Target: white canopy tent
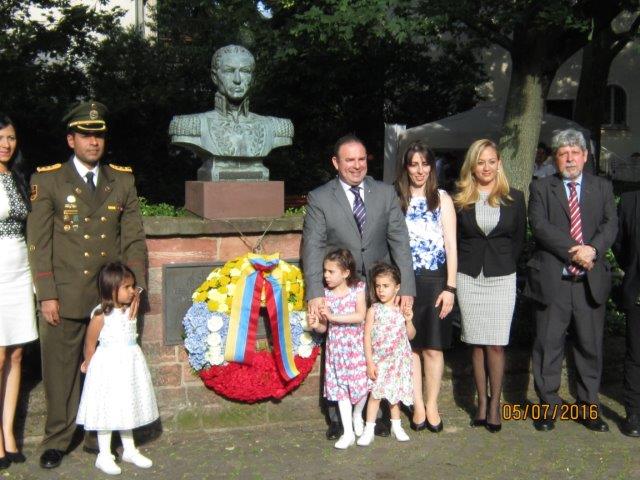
(461,130)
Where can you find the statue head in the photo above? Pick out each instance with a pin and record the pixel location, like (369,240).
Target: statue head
(232,71)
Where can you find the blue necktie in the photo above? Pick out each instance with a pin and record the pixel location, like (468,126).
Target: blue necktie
(359,212)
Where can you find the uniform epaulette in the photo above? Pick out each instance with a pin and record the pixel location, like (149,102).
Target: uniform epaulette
(185,125)
(49,168)
(120,168)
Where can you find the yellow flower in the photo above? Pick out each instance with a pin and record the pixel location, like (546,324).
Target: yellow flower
(295,288)
(223,308)
(201,297)
(212,305)
(231,288)
(224,281)
(234,272)
(215,274)
(222,289)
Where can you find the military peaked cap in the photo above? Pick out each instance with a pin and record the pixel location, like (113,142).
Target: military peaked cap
(86,117)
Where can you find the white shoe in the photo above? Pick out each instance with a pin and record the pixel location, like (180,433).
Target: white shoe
(134,456)
(345,441)
(367,437)
(106,462)
(398,432)
(358,425)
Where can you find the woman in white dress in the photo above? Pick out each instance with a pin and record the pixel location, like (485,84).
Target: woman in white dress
(17,309)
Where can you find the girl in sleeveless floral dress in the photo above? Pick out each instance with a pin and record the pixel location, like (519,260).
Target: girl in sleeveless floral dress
(388,353)
(343,313)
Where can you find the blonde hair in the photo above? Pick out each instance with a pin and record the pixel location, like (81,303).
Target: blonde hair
(467,188)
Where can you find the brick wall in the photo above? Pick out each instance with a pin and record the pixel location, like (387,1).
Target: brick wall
(184,401)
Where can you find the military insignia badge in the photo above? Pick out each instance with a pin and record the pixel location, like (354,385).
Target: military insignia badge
(34,192)
(93,113)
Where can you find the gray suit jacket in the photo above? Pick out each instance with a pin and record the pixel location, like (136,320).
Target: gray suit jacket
(329,224)
(550,223)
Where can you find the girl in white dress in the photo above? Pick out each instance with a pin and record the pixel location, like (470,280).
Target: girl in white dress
(118,393)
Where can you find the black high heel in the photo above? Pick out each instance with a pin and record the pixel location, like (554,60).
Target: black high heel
(434,428)
(493,427)
(418,426)
(477,422)
(15,457)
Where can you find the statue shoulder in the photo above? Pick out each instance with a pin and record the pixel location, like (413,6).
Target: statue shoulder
(283,127)
(185,125)
(49,168)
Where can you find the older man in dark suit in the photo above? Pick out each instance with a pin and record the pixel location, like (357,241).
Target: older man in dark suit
(627,250)
(355,212)
(573,218)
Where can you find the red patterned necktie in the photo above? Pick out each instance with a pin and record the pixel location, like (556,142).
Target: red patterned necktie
(576,224)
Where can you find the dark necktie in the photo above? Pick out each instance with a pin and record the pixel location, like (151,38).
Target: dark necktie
(90,183)
(359,212)
(576,224)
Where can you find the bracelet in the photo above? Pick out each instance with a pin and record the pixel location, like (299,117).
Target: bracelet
(450,289)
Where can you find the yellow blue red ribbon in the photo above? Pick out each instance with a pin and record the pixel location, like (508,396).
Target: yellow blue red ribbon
(245,311)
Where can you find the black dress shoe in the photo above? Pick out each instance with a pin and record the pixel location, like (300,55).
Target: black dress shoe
(493,427)
(16,457)
(597,425)
(631,426)
(544,425)
(4,463)
(334,431)
(477,422)
(382,429)
(91,450)
(434,428)
(51,458)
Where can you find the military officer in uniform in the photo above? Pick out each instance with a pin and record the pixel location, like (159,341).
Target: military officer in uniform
(84,214)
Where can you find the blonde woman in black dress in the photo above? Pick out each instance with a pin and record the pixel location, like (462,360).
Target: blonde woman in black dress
(17,310)
(491,234)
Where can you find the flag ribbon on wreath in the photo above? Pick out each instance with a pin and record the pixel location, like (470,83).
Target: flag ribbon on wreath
(245,311)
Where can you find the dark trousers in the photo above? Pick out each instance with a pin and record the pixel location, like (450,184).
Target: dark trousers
(61,351)
(632,362)
(572,305)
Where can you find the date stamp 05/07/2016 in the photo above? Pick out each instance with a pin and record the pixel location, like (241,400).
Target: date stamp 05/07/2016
(540,411)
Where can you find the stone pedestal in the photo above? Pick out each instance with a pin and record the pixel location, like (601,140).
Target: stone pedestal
(234,199)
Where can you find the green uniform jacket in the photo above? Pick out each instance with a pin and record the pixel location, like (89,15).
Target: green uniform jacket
(72,232)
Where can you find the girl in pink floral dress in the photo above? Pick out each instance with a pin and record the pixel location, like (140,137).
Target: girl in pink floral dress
(345,376)
(387,332)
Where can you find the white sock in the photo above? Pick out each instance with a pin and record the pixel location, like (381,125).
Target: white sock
(346,410)
(127,440)
(104,441)
(359,407)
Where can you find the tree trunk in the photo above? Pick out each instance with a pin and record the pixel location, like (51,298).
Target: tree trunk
(528,88)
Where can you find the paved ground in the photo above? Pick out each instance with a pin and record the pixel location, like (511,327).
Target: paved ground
(301,452)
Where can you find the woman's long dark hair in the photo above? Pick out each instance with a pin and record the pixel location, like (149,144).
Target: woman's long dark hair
(18,166)
(403,184)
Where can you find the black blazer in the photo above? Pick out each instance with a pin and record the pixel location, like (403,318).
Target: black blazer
(627,246)
(550,224)
(495,254)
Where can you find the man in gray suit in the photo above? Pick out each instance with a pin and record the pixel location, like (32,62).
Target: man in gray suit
(574,222)
(375,232)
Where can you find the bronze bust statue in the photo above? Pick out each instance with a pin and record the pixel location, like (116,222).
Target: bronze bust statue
(231,140)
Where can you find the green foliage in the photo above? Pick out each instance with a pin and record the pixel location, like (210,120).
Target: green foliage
(160,209)
(43,51)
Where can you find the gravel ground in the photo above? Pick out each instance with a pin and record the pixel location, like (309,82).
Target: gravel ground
(300,451)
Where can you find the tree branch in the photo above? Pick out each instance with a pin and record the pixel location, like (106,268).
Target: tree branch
(490,30)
